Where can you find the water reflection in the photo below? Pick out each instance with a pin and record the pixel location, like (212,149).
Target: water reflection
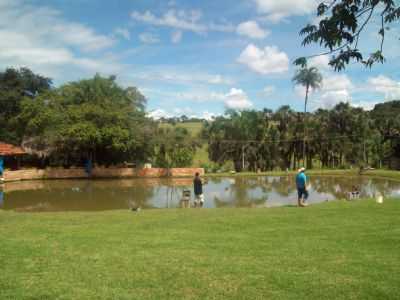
(86,195)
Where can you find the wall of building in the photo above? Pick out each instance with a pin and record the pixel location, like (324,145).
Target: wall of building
(59,173)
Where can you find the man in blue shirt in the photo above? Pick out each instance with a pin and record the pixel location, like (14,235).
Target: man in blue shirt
(301,181)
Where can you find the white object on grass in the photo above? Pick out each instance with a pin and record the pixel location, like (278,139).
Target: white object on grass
(379,199)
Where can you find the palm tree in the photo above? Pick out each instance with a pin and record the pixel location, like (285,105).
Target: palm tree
(310,78)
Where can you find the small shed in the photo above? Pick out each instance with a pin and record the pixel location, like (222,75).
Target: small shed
(11,154)
(10,150)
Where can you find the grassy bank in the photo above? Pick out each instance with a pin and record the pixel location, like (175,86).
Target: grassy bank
(336,250)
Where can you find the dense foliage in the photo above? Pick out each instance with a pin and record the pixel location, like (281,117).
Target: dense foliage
(90,119)
(341,137)
(16,85)
(175,148)
(99,120)
(341,24)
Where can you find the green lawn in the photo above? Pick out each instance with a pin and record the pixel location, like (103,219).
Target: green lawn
(335,250)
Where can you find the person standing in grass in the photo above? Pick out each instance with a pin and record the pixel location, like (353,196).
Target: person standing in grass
(198,191)
(301,184)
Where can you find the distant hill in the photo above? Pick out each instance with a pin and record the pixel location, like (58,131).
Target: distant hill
(387,109)
(195,128)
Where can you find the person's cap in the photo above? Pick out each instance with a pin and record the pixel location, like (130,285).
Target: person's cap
(302,169)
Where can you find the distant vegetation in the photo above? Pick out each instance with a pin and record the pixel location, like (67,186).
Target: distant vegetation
(99,120)
(341,137)
(89,119)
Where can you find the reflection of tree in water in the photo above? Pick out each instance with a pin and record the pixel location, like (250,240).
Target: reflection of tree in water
(140,197)
(340,187)
(239,193)
(383,187)
(328,185)
(85,195)
(284,186)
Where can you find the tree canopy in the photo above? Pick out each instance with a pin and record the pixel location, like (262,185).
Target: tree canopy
(98,119)
(88,119)
(339,137)
(16,85)
(340,28)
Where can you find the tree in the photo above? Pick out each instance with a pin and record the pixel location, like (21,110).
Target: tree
(93,118)
(340,27)
(16,85)
(175,147)
(309,78)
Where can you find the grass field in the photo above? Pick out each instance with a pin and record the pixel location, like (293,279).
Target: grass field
(335,250)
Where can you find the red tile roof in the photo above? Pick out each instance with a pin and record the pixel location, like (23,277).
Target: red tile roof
(8,150)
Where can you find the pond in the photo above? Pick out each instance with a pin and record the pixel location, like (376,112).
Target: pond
(96,195)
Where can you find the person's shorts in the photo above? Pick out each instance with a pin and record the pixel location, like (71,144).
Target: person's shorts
(302,192)
(199,198)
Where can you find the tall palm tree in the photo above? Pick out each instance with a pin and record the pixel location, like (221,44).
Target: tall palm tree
(310,78)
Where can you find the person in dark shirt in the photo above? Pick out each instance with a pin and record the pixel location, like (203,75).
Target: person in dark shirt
(198,191)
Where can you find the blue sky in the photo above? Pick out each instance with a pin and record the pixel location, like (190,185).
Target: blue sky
(189,57)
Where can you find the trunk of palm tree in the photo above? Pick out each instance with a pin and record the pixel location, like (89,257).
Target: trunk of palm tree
(305,125)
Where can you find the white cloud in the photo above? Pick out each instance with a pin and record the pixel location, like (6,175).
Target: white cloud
(161,113)
(158,114)
(182,77)
(43,24)
(252,29)
(300,91)
(336,82)
(221,27)
(386,86)
(237,99)
(320,62)
(366,105)
(149,38)
(171,19)
(199,96)
(40,38)
(208,115)
(277,10)
(176,36)
(234,99)
(123,32)
(330,98)
(264,61)
(335,89)
(181,20)
(268,90)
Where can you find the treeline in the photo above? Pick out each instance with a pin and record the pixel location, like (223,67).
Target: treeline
(93,119)
(341,137)
(181,119)
(96,119)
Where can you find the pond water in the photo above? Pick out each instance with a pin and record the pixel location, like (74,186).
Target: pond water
(95,195)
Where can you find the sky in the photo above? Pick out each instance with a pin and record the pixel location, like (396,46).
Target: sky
(196,58)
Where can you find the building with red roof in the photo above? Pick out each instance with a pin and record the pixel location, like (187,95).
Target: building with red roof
(10,150)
